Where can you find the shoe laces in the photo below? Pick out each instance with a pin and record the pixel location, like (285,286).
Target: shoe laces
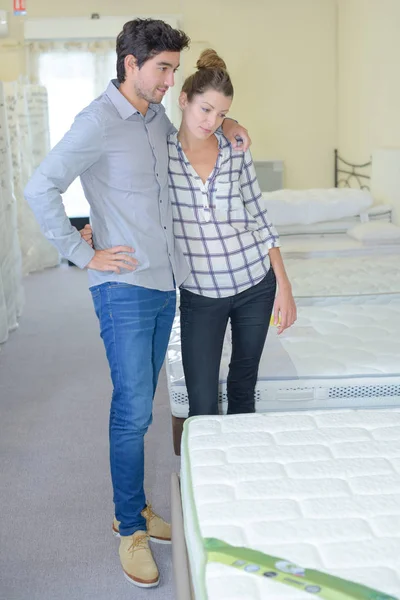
(148,513)
(139,542)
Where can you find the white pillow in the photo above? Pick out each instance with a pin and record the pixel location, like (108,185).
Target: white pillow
(303,207)
(375,232)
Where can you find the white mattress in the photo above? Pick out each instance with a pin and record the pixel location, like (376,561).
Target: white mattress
(11,293)
(320,490)
(331,245)
(27,122)
(344,276)
(342,352)
(378,212)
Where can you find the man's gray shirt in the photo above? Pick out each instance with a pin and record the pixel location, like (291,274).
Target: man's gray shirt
(122,160)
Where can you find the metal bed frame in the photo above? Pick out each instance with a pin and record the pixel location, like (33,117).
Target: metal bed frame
(347,173)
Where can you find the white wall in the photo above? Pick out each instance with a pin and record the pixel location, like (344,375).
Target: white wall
(281,55)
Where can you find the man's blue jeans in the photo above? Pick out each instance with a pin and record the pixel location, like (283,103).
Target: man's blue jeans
(135,325)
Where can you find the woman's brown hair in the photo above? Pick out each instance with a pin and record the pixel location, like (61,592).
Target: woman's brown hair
(211,74)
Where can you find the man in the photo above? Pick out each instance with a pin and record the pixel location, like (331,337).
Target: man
(118,147)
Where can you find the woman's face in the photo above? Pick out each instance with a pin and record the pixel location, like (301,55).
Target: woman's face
(204,113)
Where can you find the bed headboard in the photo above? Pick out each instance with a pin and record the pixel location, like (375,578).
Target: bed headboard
(347,174)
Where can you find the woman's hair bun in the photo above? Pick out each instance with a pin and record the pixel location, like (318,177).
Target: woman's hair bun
(209,59)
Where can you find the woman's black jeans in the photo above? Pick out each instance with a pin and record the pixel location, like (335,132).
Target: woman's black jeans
(203,327)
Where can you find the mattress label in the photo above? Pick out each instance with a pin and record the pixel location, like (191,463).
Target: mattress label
(280,570)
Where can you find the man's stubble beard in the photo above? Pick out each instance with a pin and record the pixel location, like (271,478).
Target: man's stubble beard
(145,95)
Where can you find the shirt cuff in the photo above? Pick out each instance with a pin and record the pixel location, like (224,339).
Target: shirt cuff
(273,243)
(82,255)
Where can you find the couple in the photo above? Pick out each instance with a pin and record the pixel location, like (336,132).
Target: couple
(167,209)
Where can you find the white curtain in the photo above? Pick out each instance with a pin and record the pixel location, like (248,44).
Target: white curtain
(97,61)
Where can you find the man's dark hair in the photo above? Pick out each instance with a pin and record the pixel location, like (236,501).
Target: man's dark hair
(145,38)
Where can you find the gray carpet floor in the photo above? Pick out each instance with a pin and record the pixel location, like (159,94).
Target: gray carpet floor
(55,490)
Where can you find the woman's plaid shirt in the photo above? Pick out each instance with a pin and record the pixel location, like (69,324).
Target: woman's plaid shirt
(221,225)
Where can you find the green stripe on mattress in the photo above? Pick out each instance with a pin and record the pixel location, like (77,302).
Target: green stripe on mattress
(280,570)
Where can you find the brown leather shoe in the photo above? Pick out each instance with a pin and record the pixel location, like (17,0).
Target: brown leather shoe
(159,530)
(137,560)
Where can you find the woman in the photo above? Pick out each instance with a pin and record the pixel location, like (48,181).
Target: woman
(231,246)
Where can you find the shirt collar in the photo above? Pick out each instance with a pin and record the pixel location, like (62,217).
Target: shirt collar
(223,142)
(123,106)
(173,137)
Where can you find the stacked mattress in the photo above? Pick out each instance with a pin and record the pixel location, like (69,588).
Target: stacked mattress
(329,238)
(343,350)
(332,245)
(376,212)
(281,505)
(343,277)
(11,296)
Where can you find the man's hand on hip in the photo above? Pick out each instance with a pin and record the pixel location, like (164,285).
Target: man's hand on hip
(113,259)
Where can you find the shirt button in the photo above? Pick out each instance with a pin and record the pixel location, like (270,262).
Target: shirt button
(165,227)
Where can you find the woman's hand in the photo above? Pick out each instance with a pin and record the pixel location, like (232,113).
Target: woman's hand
(87,234)
(285,308)
(236,134)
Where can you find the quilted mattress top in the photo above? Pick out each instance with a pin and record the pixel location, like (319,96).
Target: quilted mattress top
(319,490)
(349,338)
(349,276)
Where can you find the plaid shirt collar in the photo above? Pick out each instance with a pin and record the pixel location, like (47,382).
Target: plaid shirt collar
(223,143)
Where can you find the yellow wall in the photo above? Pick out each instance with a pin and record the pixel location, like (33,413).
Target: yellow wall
(369,77)
(281,55)
(282,58)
